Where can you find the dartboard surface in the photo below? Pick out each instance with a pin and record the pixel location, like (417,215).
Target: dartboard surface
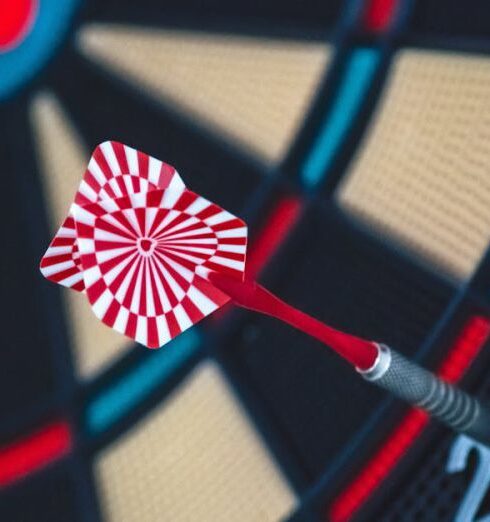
(353,138)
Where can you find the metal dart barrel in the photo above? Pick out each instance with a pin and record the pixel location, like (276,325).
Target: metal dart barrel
(419,387)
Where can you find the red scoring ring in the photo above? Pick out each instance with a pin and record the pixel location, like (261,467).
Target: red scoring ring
(17,18)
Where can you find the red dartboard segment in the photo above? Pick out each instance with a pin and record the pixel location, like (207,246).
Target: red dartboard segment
(140,254)
(114,170)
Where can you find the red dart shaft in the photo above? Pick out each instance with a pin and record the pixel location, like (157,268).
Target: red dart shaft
(249,294)
(378,364)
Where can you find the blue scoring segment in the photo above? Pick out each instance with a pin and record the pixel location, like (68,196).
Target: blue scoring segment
(21,63)
(122,396)
(356,80)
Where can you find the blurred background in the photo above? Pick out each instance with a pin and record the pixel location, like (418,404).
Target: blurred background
(354,138)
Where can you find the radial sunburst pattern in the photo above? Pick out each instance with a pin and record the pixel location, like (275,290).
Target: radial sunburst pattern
(140,254)
(114,170)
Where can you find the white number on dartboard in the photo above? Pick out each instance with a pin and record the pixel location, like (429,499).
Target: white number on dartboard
(458,460)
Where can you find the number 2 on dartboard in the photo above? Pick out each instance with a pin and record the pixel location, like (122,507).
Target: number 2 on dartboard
(458,460)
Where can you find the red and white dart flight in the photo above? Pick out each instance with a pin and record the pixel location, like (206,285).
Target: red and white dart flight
(138,243)
(114,170)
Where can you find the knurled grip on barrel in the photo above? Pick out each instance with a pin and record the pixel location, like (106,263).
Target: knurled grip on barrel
(412,383)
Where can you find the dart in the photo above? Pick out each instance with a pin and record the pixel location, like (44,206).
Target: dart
(377,363)
(155,258)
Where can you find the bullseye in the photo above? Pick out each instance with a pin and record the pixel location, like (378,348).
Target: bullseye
(17,18)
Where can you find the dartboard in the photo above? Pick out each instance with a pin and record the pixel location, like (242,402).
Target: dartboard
(353,139)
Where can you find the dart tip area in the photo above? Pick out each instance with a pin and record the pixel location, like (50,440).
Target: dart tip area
(249,294)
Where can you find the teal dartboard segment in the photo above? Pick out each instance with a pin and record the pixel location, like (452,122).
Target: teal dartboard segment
(19,64)
(113,403)
(356,80)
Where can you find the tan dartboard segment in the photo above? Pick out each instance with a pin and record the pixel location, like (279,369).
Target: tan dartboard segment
(253,91)
(421,175)
(196,458)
